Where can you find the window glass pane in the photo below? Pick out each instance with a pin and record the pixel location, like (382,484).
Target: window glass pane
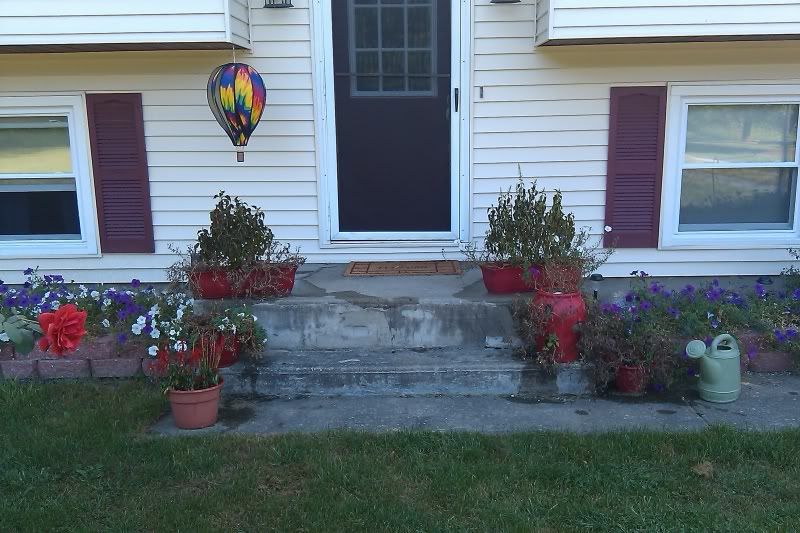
(31,145)
(367,63)
(393,63)
(737,199)
(367,83)
(366,27)
(419,27)
(741,133)
(419,62)
(393,83)
(392,27)
(365,2)
(419,84)
(39,208)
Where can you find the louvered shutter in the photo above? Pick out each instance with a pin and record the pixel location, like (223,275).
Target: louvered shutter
(119,161)
(635,163)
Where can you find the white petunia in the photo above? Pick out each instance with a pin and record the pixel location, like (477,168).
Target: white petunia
(55,305)
(179,313)
(106,323)
(172,333)
(141,321)
(155,333)
(95,295)
(154,310)
(255,318)
(136,329)
(4,337)
(181,346)
(152,351)
(106,302)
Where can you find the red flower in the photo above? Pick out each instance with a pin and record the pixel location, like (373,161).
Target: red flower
(63,330)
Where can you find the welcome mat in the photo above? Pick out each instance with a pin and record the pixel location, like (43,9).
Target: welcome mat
(402,268)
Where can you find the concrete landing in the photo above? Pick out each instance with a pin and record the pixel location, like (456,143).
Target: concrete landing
(767,403)
(401,372)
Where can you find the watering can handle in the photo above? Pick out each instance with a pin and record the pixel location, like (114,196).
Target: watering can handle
(723,338)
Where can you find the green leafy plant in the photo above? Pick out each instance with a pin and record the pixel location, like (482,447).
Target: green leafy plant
(19,331)
(634,335)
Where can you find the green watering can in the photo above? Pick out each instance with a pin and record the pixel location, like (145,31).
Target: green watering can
(720,378)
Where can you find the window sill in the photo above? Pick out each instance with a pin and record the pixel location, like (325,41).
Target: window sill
(47,249)
(730,240)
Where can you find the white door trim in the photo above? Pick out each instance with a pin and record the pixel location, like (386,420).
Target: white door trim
(325,129)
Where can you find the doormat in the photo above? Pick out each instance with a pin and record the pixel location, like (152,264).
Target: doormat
(402,268)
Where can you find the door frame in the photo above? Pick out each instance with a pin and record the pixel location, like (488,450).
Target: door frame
(325,130)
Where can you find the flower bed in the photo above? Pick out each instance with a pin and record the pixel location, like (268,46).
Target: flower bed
(124,327)
(648,327)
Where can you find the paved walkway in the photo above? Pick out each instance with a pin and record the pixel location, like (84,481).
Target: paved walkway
(768,402)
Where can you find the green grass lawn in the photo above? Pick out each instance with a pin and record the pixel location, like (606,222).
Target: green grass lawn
(77,457)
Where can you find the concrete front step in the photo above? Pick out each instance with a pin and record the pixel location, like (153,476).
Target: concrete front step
(332,324)
(329,311)
(462,371)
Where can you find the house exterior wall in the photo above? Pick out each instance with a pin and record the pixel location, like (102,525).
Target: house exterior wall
(544,109)
(48,22)
(575,20)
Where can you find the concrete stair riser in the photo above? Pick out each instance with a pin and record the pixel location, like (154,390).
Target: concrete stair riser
(317,324)
(462,372)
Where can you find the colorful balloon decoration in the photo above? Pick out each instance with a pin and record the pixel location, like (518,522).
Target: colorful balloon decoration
(236,96)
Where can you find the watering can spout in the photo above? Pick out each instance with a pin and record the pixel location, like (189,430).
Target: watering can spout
(696,349)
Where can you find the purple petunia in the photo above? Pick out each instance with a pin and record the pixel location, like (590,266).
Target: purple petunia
(645,306)
(690,371)
(122,338)
(135,283)
(28,271)
(688,290)
(761,292)
(780,336)
(610,309)
(673,312)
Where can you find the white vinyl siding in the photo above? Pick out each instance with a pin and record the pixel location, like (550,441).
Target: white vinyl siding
(97,22)
(547,110)
(571,21)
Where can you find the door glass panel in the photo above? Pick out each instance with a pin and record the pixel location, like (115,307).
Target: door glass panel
(366,27)
(393,47)
(419,27)
(737,199)
(737,133)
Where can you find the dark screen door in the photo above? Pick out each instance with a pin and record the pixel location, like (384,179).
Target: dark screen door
(392,90)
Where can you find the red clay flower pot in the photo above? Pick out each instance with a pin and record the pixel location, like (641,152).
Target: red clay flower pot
(230,352)
(211,284)
(500,278)
(630,379)
(567,309)
(271,280)
(195,409)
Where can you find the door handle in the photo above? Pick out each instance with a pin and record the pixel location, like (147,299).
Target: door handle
(455,98)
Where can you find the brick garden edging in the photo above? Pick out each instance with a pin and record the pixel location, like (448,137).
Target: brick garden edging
(97,358)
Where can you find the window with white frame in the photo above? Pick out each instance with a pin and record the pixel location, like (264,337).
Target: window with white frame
(731,166)
(45,188)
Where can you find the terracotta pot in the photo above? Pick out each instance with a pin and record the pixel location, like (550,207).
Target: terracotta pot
(630,379)
(211,284)
(500,278)
(771,361)
(567,309)
(195,409)
(271,280)
(230,353)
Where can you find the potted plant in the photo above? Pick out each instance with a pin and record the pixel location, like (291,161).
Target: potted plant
(511,252)
(231,330)
(628,345)
(192,381)
(566,257)
(237,255)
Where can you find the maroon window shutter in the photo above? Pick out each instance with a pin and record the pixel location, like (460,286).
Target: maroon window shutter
(119,164)
(635,163)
